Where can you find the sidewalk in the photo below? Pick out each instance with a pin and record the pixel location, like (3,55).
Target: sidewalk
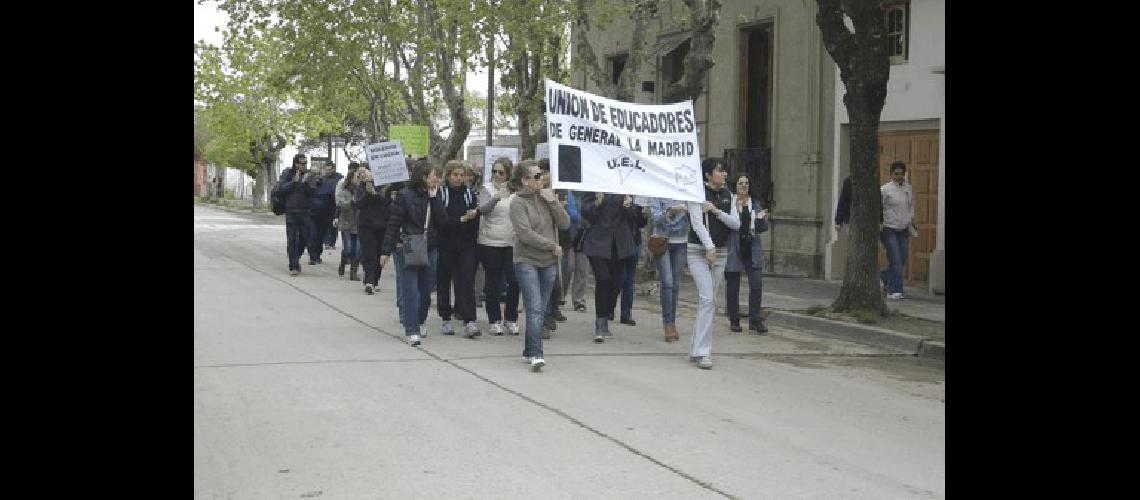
(787,301)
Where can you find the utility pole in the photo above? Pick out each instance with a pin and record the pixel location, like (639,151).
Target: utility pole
(490,93)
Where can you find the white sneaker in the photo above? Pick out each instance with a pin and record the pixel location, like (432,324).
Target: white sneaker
(705,363)
(472,330)
(894,296)
(599,339)
(536,364)
(496,329)
(414,340)
(447,328)
(512,328)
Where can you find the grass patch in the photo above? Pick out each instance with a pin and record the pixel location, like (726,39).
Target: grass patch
(816,310)
(865,316)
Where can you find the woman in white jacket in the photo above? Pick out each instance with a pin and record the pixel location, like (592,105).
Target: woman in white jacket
(496,250)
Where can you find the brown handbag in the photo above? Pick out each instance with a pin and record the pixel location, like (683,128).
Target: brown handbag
(658,244)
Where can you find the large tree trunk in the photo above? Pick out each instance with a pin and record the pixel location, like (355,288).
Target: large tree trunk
(704,18)
(864,68)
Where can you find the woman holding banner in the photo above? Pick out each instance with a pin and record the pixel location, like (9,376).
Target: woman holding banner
(536,216)
(712,223)
(607,243)
(670,221)
(417,211)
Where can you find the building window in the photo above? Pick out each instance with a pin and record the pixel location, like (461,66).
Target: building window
(617,65)
(898,28)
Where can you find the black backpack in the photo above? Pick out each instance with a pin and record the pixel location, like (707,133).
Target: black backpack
(277,201)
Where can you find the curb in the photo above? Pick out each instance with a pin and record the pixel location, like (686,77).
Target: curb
(905,343)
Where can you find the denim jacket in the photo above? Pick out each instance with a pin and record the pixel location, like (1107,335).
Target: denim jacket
(664,224)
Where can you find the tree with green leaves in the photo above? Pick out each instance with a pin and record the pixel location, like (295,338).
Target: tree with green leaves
(861,53)
(704,15)
(242,104)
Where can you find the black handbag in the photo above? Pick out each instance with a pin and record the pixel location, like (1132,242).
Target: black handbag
(415,245)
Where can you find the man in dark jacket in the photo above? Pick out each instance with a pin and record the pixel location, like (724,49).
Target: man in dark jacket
(322,210)
(297,190)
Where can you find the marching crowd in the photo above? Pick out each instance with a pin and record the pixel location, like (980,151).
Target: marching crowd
(445,231)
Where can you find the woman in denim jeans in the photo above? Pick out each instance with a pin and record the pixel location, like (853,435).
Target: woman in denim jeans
(534,213)
(670,219)
(409,215)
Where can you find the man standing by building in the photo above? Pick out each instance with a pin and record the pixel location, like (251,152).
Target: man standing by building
(898,220)
(295,186)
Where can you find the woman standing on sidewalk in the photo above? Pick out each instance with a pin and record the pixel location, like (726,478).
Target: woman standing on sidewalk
(345,222)
(670,219)
(459,231)
(418,210)
(745,254)
(496,250)
(607,243)
(535,212)
(711,223)
(372,205)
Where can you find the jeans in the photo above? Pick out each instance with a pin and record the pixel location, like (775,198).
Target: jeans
(416,283)
(707,281)
(330,236)
(558,293)
(535,284)
(351,245)
(297,234)
(895,243)
(398,261)
(498,266)
(732,294)
(576,272)
(630,271)
(669,267)
(319,224)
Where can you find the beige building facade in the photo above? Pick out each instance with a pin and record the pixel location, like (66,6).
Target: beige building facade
(772,86)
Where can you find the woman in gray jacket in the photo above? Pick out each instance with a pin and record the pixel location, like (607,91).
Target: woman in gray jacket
(534,212)
(345,222)
(745,254)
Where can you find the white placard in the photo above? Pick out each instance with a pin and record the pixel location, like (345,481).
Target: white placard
(542,150)
(386,159)
(492,153)
(603,145)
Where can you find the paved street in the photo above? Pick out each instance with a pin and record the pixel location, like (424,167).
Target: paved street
(304,388)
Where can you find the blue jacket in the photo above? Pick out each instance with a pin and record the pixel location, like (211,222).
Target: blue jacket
(298,193)
(748,234)
(325,200)
(665,225)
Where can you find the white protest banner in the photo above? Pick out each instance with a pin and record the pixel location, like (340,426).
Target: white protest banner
(386,159)
(542,150)
(603,145)
(492,153)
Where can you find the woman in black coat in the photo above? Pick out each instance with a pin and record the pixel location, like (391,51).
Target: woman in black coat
(372,204)
(608,241)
